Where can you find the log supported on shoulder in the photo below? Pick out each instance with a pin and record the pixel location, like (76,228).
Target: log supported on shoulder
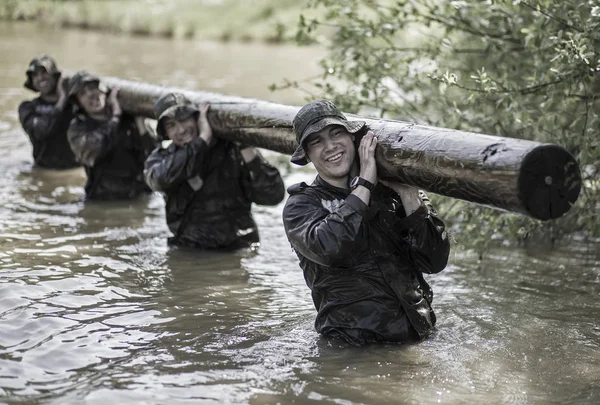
(539,180)
(530,178)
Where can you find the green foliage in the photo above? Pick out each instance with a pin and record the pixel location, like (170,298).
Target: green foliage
(524,69)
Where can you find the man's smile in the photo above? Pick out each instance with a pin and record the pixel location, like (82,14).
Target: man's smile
(335,157)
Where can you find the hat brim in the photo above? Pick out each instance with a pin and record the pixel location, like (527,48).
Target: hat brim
(78,86)
(176,112)
(299,156)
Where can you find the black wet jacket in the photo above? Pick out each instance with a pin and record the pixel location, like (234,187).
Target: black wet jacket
(217,215)
(113,154)
(365,264)
(47,127)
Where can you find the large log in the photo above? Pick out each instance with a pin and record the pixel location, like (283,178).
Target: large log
(530,178)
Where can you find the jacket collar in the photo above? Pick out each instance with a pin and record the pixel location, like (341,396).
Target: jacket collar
(320,182)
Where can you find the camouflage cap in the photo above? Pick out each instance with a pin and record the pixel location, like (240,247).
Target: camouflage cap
(41,62)
(312,118)
(175,106)
(80,79)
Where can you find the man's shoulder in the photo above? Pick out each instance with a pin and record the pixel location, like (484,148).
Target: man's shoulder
(28,104)
(81,125)
(306,189)
(164,148)
(301,195)
(303,192)
(78,121)
(297,188)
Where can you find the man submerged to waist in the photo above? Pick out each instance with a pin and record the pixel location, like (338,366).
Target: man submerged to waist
(363,245)
(209,184)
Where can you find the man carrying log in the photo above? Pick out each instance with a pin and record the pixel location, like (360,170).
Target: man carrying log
(46,118)
(363,245)
(111,144)
(209,183)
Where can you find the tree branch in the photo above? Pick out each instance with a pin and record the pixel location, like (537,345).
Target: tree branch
(550,16)
(587,112)
(523,90)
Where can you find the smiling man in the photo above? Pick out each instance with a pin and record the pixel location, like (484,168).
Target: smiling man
(111,144)
(363,245)
(46,119)
(209,184)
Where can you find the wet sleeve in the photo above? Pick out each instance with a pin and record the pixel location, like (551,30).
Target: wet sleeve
(167,168)
(426,235)
(38,124)
(89,144)
(324,237)
(264,185)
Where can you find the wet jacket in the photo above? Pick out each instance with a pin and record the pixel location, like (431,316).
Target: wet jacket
(47,127)
(365,264)
(113,154)
(209,192)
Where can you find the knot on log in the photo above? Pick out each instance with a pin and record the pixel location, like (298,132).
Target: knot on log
(491,150)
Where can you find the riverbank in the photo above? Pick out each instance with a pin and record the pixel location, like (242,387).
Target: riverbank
(224,20)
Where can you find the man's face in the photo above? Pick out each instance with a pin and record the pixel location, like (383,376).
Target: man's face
(91,98)
(43,81)
(332,152)
(181,131)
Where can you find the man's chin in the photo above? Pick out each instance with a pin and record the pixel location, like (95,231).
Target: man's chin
(339,174)
(94,110)
(341,168)
(46,91)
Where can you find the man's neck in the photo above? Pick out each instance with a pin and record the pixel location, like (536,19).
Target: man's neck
(339,183)
(49,97)
(343,182)
(99,117)
(103,115)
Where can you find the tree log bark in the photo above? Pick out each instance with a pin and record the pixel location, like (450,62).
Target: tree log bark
(530,178)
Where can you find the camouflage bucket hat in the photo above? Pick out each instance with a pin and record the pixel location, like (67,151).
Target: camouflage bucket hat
(175,106)
(312,118)
(41,62)
(80,79)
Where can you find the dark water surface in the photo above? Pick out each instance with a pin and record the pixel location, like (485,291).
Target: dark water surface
(95,309)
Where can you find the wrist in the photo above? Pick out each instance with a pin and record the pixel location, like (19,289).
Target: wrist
(60,106)
(248,153)
(361,181)
(61,102)
(368,176)
(206,138)
(412,193)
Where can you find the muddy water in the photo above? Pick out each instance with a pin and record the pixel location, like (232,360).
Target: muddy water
(96,309)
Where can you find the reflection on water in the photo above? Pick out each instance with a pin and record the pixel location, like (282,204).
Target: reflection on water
(95,308)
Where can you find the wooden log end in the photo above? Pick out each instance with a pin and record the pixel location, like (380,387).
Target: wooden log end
(549,182)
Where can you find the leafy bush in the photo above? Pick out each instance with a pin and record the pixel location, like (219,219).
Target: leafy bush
(523,69)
